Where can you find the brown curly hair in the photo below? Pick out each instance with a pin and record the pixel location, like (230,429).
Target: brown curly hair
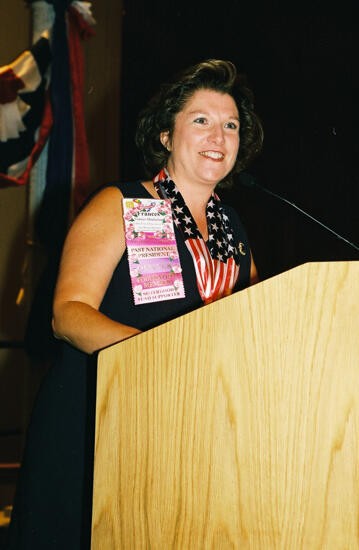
(160,113)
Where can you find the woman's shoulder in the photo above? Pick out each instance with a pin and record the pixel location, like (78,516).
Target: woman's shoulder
(104,206)
(131,189)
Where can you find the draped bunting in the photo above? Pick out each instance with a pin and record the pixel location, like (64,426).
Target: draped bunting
(23,85)
(42,117)
(53,218)
(35,107)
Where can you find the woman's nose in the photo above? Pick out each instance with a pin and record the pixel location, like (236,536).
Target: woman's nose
(217,134)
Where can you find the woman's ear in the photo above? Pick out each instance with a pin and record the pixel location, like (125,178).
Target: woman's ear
(165,140)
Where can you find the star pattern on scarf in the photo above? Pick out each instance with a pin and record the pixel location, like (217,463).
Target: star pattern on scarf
(220,235)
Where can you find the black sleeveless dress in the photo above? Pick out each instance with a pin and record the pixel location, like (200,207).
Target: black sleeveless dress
(52,508)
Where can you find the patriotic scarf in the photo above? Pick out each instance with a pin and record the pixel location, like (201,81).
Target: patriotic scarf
(216,262)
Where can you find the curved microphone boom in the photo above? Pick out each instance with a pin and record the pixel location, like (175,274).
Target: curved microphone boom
(248,181)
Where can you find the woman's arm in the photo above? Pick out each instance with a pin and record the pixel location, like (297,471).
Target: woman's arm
(93,248)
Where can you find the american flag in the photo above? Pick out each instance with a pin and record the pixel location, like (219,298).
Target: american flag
(216,262)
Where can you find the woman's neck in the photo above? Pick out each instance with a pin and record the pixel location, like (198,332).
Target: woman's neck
(195,195)
(196,199)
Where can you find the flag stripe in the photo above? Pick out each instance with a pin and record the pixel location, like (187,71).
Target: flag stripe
(216,263)
(215,279)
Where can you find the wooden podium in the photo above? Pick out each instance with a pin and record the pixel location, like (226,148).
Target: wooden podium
(236,426)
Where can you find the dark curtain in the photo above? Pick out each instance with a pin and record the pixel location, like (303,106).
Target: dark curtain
(300,60)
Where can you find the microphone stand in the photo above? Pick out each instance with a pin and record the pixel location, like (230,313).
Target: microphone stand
(247,181)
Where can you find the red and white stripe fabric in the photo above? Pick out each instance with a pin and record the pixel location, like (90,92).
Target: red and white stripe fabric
(215,279)
(25,126)
(21,76)
(25,117)
(216,262)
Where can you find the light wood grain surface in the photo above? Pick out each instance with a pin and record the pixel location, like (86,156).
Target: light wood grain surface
(236,426)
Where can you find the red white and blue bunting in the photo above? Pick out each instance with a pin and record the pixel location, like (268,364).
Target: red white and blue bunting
(23,86)
(41,98)
(43,144)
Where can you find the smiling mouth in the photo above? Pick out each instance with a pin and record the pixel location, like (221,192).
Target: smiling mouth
(214,155)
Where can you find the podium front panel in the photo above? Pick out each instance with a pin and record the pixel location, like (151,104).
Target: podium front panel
(236,426)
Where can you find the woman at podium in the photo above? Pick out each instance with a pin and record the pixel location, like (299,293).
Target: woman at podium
(194,135)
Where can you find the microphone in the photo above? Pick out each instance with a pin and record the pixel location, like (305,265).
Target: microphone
(248,181)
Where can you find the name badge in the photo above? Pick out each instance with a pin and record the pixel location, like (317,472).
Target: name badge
(153,260)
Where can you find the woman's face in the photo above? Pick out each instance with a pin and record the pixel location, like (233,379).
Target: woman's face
(205,140)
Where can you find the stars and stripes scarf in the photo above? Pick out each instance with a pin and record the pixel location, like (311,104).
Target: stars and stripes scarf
(216,262)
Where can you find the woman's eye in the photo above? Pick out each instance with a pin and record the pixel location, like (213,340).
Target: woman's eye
(231,125)
(200,120)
